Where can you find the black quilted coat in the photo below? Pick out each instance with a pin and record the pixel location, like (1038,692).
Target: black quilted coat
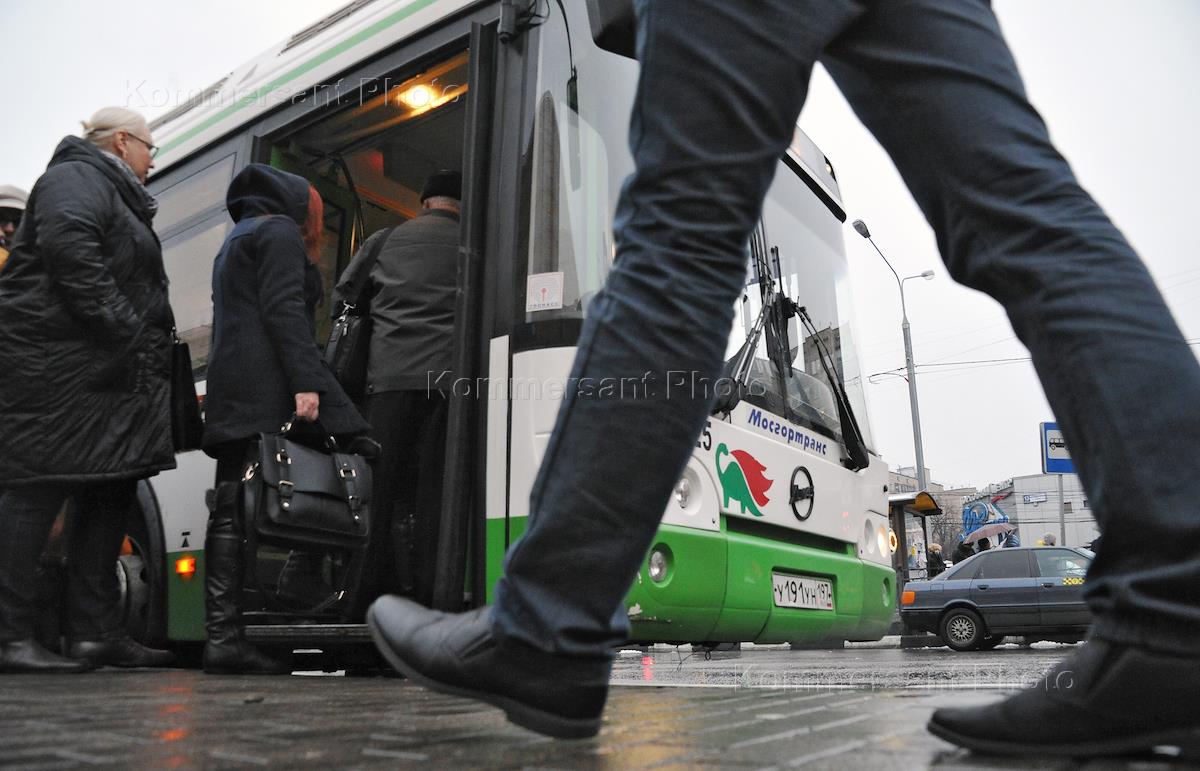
(85,330)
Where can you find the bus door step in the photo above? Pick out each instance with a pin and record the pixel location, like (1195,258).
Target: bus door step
(308,633)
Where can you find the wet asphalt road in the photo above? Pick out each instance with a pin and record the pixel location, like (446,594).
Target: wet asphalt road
(670,708)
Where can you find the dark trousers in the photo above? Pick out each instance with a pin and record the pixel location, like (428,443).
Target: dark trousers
(232,458)
(407,496)
(721,86)
(96,533)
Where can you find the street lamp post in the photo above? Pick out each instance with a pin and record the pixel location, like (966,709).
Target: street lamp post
(922,482)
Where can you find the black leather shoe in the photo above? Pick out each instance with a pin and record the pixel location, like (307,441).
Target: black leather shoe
(119,652)
(457,654)
(1105,699)
(28,656)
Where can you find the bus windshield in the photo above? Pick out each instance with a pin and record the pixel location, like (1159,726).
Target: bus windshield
(576,176)
(813,274)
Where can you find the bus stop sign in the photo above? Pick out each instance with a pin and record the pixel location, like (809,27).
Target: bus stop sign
(1056,459)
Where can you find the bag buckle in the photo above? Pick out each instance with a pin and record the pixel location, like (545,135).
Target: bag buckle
(347,472)
(282,457)
(253,467)
(285,488)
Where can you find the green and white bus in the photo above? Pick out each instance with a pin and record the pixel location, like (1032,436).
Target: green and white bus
(777,531)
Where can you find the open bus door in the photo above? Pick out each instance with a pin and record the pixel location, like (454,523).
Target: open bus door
(462,524)
(368,166)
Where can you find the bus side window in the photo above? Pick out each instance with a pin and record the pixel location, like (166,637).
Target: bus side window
(188,257)
(192,224)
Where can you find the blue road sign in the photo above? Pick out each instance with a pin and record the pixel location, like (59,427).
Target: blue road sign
(1056,458)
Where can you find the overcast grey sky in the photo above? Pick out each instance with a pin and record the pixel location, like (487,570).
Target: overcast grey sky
(1113,79)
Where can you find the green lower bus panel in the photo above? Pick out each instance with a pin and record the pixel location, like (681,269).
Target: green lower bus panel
(879,600)
(717,587)
(496,547)
(858,591)
(185,599)
(685,604)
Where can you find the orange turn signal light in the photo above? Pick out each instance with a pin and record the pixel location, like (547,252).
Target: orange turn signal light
(908,597)
(186,567)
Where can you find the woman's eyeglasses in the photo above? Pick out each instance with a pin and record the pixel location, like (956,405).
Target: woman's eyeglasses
(152,148)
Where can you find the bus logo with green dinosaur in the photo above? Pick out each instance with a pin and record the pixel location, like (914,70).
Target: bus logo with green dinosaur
(742,480)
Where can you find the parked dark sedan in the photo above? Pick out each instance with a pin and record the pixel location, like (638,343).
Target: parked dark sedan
(1034,591)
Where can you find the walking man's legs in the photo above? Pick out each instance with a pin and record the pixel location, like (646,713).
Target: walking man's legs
(719,93)
(707,142)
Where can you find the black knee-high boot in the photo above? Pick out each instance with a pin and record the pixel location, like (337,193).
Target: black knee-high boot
(227,650)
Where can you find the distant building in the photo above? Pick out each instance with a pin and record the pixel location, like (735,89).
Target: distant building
(1032,503)
(904,480)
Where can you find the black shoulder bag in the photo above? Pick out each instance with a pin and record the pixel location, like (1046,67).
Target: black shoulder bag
(310,501)
(187,427)
(300,496)
(346,350)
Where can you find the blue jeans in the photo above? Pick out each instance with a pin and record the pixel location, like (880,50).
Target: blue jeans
(721,86)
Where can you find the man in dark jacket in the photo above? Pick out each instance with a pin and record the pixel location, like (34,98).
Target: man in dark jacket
(411,291)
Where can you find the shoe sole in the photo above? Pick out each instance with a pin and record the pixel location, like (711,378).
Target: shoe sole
(545,723)
(1179,743)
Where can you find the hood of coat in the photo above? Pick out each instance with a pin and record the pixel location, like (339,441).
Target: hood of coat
(259,190)
(76,150)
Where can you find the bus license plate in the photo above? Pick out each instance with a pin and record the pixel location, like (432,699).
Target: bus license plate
(797,592)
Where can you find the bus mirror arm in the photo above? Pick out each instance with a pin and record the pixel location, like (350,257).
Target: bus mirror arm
(507,28)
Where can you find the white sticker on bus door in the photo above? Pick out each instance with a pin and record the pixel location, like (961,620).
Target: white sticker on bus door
(544,292)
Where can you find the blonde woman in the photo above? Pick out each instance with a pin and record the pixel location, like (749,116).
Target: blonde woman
(85,336)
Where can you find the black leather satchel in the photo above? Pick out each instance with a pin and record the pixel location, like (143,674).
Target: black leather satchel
(300,496)
(187,427)
(349,338)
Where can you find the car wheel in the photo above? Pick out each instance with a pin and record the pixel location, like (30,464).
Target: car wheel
(962,629)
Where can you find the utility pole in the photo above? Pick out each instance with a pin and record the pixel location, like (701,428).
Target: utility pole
(914,410)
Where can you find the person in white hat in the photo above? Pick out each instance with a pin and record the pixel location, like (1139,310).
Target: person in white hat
(12,206)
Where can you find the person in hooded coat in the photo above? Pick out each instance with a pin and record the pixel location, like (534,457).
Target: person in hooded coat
(265,292)
(85,347)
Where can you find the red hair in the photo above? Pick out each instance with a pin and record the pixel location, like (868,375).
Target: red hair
(314,225)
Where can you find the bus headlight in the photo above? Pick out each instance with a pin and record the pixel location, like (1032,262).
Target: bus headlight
(683,492)
(658,565)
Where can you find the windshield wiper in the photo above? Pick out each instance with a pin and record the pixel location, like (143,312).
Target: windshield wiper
(739,368)
(777,309)
(856,446)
